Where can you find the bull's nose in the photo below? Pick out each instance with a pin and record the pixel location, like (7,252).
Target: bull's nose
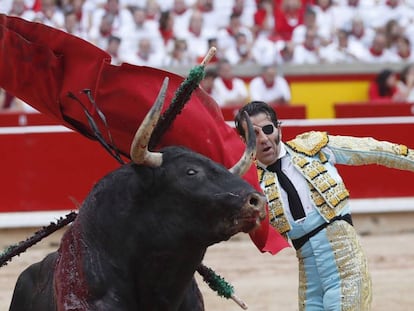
(257,202)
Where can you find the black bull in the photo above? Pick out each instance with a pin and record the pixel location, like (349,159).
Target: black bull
(139,237)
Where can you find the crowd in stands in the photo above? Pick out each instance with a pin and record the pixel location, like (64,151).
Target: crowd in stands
(389,86)
(170,33)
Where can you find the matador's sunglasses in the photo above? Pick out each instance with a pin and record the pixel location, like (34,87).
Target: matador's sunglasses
(269,128)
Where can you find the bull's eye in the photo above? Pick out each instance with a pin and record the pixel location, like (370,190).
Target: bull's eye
(191,172)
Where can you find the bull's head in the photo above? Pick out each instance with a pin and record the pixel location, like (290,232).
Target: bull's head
(253,206)
(139,148)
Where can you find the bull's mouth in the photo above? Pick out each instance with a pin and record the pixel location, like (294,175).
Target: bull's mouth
(246,223)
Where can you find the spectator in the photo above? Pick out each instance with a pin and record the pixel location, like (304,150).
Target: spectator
(392,33)
(72,25)
(309,22)
(50,15)
(404,50)
(378,52)
(308,52)
(166,28)
(241,53)
(265,51)
(208,81)
(270,87)
(405,84)
(264,20)
(121,20)
(182,15)
(325,21)
(179,56)
(229,90)
(141,28)
(245,9)
(226,37)
(99,36)
(145,55)
(18,8)
(288,16)
(211,18)
(197,35)
(153,10)
(286,52)
(360,33)
(344,13)
(112,49)
(391,10)
(342,50)
(384,87)
(83,10)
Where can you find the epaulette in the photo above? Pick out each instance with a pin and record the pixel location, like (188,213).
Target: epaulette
(309,143)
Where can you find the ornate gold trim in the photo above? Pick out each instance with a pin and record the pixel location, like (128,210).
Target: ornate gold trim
(309,143)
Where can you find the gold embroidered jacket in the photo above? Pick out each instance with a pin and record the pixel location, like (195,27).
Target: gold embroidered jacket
(311,154)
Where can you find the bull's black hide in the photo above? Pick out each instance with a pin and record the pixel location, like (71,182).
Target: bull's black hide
(139,237)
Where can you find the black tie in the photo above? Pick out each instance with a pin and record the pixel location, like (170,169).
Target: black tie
(295,205)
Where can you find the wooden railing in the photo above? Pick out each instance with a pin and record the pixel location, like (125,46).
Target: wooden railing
(373,109)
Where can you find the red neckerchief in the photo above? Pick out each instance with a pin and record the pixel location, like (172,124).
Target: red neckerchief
(194,33)
(181,12)
(203,9)
(359,36)
(106,9)
(105,33)
(267,84)
(309,48)
(375,53)
(78,15)
(228,83)
(167,34)
(230,31)
(391,5)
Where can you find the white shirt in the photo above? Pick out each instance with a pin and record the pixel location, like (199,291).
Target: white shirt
(222,94)
(300,183)
(279,89)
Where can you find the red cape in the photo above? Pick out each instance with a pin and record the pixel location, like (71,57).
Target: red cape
(41,65)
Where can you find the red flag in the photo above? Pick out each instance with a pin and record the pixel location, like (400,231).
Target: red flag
(42,65)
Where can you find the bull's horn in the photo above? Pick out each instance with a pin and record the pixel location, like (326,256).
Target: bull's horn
(246,160)
(139,147)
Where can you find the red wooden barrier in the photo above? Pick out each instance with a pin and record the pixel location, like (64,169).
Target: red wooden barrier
(43,167)
(373,109)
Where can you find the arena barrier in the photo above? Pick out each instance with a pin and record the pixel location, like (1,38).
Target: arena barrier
(47,170)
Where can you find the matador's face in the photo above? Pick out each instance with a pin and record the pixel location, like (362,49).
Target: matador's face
(268,137)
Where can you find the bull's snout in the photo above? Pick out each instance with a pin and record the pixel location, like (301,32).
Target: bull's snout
(257,203)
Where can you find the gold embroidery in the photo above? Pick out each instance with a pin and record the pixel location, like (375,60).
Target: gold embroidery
(309,143)
(302,281)
(276,214)
(356,288)
(368,150)
(314,169)
(280,224)
(322,157)
(329,196)
(300,161)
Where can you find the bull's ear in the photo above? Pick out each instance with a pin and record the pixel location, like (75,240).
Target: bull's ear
(249,155)
(139,147)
